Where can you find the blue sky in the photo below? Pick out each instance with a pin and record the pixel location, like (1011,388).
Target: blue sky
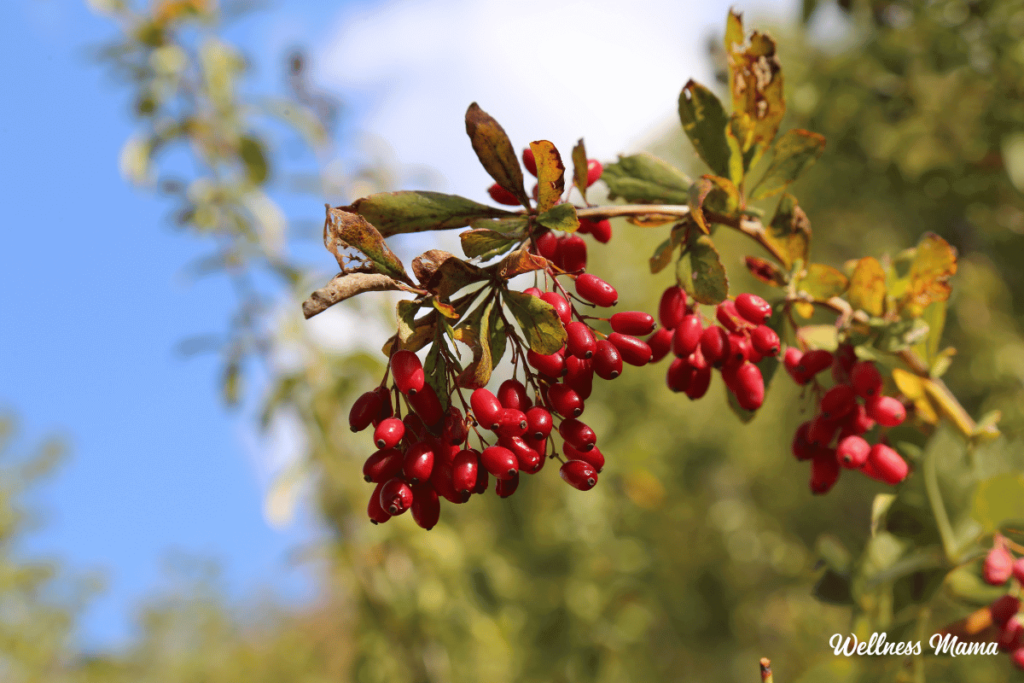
(93,296)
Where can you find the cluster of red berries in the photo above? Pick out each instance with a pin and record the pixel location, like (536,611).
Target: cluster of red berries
(734,346)
(1000,566)
(833,439)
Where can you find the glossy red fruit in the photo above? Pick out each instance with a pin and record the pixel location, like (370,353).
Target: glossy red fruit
(687,335)
(386,410)
(866,379)
(886,464)
(419,462)
(815,361)
(679,375)
(853,452)
(407,372)
(415,430)
(552,365)
(539,423)
(714,345)
(822,431)
(579,376)
(511,422)
(395,496)
(547,244)
(464,470)
(579,340)
(454,430)
(857,421)
(740,349)
(382,465)
(486,407)
(998,566)
(512,394)
(660,343)
(1003,608)
(1018,570)
(579,435)
(636,323)
(602,231)
(699,383)
(596,291)
(594,170)
(607,360)
(528,459)
(749,387)
(482,479)
(537,447)
(802,448)
(572,253)
(579,474)
(389,433)
(886,410)
(633,351)
(593,457)
(1017,657)
(502,196)
(697,360)
(426,507)
(753,308)
(377,514)
(565,401)
(560,305)
(529,162)
(1011,635)
(838,402)
(728,318)
(792,360)
(672,307)
(363,411)
(427,405)
(824,471)
(585,226)
(765,341)
(533,291)
(506,487)
(500,462)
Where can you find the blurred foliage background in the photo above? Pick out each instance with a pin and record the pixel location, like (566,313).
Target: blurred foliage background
(697,553)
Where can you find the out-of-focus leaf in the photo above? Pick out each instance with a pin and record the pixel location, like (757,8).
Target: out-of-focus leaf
(663,253)
(867,287)
(393,213)
(790,231)
(822,282)
(579,168)
(645,179)
(562,217)
(550,174)
(999,501)
(714,194)
(348,230)
(820,336)
(705,122)
(487,242)
(254,157)
(913,387)
(700,271)
(538,320)
(135,160)
(833,588)
(494,149)
(901,335)
(300,118)
(794,152)
(934,263)
(755,79)
(765,271)
(935,316)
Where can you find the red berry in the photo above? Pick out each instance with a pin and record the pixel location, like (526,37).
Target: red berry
(382,465)
(886,465)
(540,447)
(853,452)
(842,364)
(511,422)
(753,308)
(426,508)
(596,291)
(824,471)
(529,460)
(454,430)
(427,405)
(579,376)
(727,316)
(636,323)
(565,401)
(802,448)
(672,307)
(552,365)
(714,344)
(530,162)
(377,514)
(822,431)
(1018,570)
(419,462)
(502,196)
(602,231)
(607,360)
(886,410)
(792,359)
(634,351)
(560,305)
(838,402)
(1011,635)
(579,474)
(594,170)
(512,394)
(482,479)
(687,335)
(415,430)
(395,496)
(1017,657)
(594,456)
(585,226)
(533,291)
(464,470)
(998,567)
(697,360)
(699,383)
(866,379)
(572,253)
(547,244)
(765,341)
(1004,608)
(740,349)
(506,487)
(389,433)
(579,435)
(500,462)
(857,420)
(407,371)
(486,407)
(680,374)
(363,411)
(580,340)
(539,423)
(660,343)
(815,361)
(749,386)
(386,410)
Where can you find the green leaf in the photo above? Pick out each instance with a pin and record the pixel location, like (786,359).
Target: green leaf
(833,588)
(663,253)
(550,174)
(562,217)
(580,170)
(498,335)
(712,194)
(755,80)
(538,320)
(475,333)
(508,224)
(394,213)
(700,271)
(495,152)
(254,157)
(999,501)
(901,335)
(487,243)
(822,282)
(344,230)
(645,179)
(705,122)
(434,369)
(793,152)
(740,137)
(867,287)
(790,231)
(935,316)
(934,263)
(413,333)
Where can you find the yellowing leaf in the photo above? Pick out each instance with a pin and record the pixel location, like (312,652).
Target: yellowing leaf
(705,122)
(822,282)
(579,167)
(867,287)
(538,320)
(755,79)
(495,152)
(712,194)
(393,213)
(790,231)
(343,230)
(550,174)
(794,152)
(933,265)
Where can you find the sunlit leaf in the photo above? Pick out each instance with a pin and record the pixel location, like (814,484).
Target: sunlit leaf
(999,500)
(562,217)
(518,262)
(645,179)
(790,231)
(538,320)
(705,122)
(867,287)
(393,213)
(579,168)
(344,230)
(487,243)
(755,79)
(793,153)
(254,156)
(712,194)
(822,282)
(700,271)
(934,263)
(550,174)
(494,149)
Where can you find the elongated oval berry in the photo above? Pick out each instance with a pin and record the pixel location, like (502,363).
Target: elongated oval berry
(1017,657)
(389,433)
(687,335)
(765,340)
(866,379)
(607,360)
(749,386)
(415,430)
(838,402)
(636,323)
(593,457)
(547,244)
(579,435)
(672,307)
(1002,609)
(728,318)
(427,405)
(824,471)
(699,383)
(792,360)
(442,479)
(886,464)
(802,448)
(426,507)
(697,360)
(822,431)
(565,401)
(512,394)
(579,340)
(753,308)
(528,459)
(419,462)
(679,375)
(530,162)
(506,487)
(714,345)
(376,513)
(386,410)
(602,231)
(366,407)
(1011,637)
(539,423)
(533,291)
(842,363)
(594,170)
(511,422)
(660,343)
(486,408)
(998,566)
(579,474)
(454,431)
(857,420)
(572,253)
(853,452)
(395,496)
(596,291)
(464,470)
(886,410)
(501,195)
(500,462)
(740,349)
(815,361)
(561,306)
(633,351)
(382,465)
(579,376)
(407,371)
(552,365)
